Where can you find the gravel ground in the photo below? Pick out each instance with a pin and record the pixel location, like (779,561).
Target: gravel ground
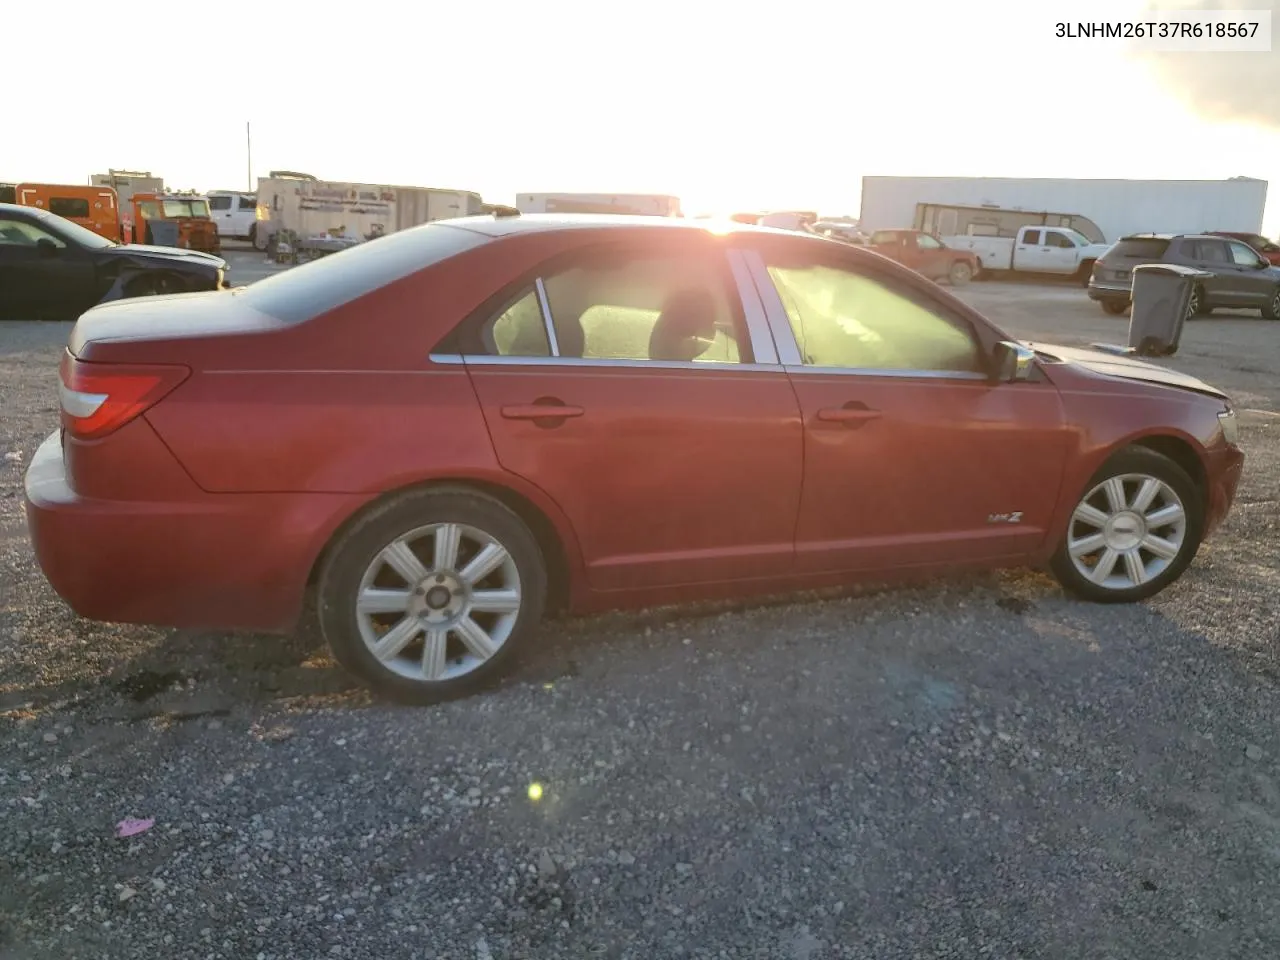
(975,768)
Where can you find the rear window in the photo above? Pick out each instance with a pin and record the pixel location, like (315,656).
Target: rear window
(1146,248)
(325,284)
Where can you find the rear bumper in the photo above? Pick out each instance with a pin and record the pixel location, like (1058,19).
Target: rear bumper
(1109,291)
(226,562)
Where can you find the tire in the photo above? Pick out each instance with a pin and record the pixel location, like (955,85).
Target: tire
(1085,272)
(151,285)
(356,564)
(1271,309)
(1115,308)
(1196,305)
(1085,539)
(959,273)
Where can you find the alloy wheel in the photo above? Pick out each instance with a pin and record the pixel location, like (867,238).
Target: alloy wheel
(1193,305)
(438,602)
(1127,531)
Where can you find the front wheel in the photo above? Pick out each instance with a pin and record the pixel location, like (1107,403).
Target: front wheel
(1134,531)
(1196,304)
(959,274)
(1115,308)
(1271,309)
(426,597)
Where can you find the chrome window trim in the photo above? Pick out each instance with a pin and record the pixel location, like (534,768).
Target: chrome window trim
(763,349)
(805,370)
(483,360)
(545,306)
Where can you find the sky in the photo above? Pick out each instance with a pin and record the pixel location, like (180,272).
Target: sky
(728,106)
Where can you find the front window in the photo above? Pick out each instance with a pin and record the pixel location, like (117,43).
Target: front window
(926,242)
(174,209)
(68,231)
(848,320)
(1242,255)
(18,233)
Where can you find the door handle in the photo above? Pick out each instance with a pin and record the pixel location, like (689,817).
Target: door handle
(543,409)
(851,414)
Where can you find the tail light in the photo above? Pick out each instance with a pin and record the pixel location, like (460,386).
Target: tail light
(98,398)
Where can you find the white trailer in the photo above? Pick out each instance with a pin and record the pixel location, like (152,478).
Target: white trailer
(313,209)
(1118,207)
(630,204)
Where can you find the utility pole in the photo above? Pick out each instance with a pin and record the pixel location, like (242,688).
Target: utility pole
(248,142)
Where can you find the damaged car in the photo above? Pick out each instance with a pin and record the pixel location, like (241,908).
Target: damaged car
(54,269)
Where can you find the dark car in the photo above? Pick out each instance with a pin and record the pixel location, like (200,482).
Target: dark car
(469,422)
(1242,278)
(1267,248)
(53,269)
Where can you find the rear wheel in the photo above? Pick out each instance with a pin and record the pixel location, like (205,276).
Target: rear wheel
(427,597)
(1133,532)
(1114,307)
(960,273)
(1196,305)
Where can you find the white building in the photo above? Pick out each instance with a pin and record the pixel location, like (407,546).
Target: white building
(1118,207)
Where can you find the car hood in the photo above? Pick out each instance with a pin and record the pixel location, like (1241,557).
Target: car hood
(144,251)
(1111,365)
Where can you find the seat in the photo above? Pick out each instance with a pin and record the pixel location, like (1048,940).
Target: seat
(686,326)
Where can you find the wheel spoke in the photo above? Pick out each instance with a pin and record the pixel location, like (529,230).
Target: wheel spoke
(434,645)
(1106,564)
(1146,495)
(495,601)
(374,600)
(447,537)
(1165,516)
(1114,488)
(1134,566)
(1086,545)
(1090,515)
(397,638)
(476,640)
(402,560)
(484,563)
(1161,547)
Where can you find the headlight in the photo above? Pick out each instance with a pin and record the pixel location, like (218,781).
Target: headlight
(1230,426)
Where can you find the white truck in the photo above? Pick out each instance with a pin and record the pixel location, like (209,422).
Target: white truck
(235,212)
(1059,251)
(630,204)
(328,214)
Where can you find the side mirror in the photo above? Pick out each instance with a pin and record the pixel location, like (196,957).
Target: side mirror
(1262,265)
(1012,362)
(47,247)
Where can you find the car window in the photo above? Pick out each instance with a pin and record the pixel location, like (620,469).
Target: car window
(1031,238)
(69,207)
(248,203)
(519,330)
(1211,251)
(1058,240)
(19,233)
(926,242)
(849,320)
(883,238)
(1140,248)
(219,203)
(641,306)
(1242,254)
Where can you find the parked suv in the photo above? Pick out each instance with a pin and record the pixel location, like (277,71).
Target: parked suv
(1242,278)
(1269,250)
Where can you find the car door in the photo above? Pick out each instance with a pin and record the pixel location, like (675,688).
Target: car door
(1222,288)
(222,209)
(637,386)
(933,260)
(246,215)
(41,274)
(913,454)
(1060,252)
(1254,279)
(1030,251)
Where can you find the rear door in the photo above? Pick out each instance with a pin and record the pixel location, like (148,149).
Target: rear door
(1030,252)
(913,456)
(637,385)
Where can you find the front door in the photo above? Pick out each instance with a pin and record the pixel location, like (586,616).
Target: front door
(1254,279)
(1222,289)
(1060,253)
(649,409)
(41,275)
(913,456)
(934,261)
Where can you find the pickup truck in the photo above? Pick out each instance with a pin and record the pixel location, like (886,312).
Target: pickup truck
(926,254)
(1048,250)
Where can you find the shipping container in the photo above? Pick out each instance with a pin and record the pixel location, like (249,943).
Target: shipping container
(310,207)
(1118,207)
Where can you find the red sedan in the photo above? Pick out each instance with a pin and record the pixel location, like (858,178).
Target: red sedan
(451,429)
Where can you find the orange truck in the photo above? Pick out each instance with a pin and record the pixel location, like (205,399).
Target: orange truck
(95,208)
(194,227)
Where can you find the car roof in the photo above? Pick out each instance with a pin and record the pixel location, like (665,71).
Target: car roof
(1174,236)
(31,213)
(510,225)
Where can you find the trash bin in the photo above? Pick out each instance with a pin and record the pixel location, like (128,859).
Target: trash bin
(1161,296)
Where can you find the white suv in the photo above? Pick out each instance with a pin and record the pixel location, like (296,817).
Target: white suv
(235,213)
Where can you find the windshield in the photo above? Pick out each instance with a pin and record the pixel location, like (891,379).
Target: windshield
(73,232)
(186,208)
